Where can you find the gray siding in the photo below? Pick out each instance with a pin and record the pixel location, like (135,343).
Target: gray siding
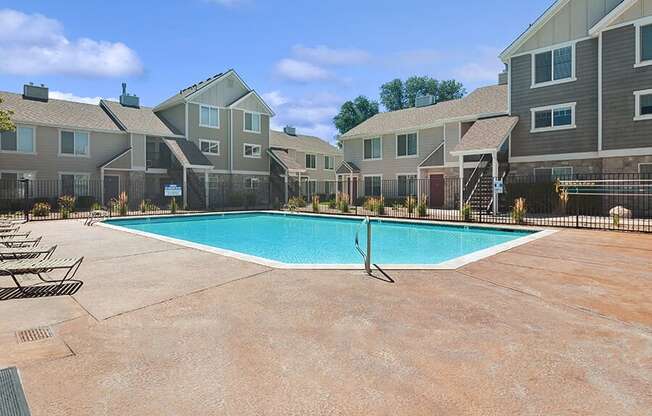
(175,117)
(318,174)
(221,134)
(47,163)
(452,134)
(240,137)
(584,92)
(390,165)
(138,151)
(620,80)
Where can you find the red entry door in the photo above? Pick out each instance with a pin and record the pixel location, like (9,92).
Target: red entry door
(436,191)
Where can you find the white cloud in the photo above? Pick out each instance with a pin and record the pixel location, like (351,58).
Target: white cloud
(36,45)
(485,67)
(312,115)
(275,98)
(301,71)
(330,56)
(67,96)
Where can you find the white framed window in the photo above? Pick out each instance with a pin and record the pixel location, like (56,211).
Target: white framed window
(554,117)
(643,42)
(17,175)
(553,173)
(74,184)
(329,163)
(252,151)
(329,188)
(643,105)
(373,185)
(407,145)
(373,149)
(10,186)
(209,147)
(553,65)
(252,183)
(311,161)
(252,122)
(74,143)
(23,140)
(209,116)
(407,184)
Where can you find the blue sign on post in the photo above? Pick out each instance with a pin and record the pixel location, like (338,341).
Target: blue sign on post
(173,190)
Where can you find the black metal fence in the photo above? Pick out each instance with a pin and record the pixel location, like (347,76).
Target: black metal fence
(53,199)
(601,201)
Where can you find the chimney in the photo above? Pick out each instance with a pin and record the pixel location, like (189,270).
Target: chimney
(503,76)
(290,131)
(424,100)
(36,92)
(128,100)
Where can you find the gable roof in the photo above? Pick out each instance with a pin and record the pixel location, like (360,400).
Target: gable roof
(483,102)
(606,21)
(254,94)
(140,120)
(183,94)
(302,143)
(533,28)
(58,113)
(282,157)
(188,154)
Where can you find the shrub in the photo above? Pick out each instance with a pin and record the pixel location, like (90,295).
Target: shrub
(147,205)
(342,202)
(236,199)
(173,206)
(296,202)
(66,205)
(616,219)
(315,203)
(332,204)
(422,207)
(120,204)
(519,210)
(41,209)
(96,206)
(466,212)
(410,203)
(376,205)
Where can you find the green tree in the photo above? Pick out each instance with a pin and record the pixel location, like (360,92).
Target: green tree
(396,94)
(355,112)
(5,120)
(392,95)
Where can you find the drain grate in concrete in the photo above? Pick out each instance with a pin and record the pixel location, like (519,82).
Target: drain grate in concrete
(12,396)
(34,334)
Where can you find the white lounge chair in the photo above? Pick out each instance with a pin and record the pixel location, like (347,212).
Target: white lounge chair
(38,267)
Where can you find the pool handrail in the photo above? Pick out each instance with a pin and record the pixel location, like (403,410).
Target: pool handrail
(366,257)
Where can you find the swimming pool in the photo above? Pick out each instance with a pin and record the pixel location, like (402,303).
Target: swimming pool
(308,241)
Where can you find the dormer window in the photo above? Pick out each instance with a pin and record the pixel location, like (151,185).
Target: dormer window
(553,66)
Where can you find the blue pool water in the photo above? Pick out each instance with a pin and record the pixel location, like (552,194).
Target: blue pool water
(300,239)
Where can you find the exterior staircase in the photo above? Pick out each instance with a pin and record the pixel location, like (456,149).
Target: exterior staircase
(478,192)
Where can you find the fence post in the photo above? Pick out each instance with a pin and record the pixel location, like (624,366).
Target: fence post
(577,213)
(26,199)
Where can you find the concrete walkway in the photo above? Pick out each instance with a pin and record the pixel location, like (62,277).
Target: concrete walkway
(560,326)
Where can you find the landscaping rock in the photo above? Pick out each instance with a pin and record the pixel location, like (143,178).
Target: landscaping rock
(622,212)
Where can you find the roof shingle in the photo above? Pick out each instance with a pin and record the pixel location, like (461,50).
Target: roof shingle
(302,143)
(57,113)
(487,134)
(490,100)
(140,120)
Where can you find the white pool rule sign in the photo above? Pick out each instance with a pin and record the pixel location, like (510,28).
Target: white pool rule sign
(499,186)
(173,190)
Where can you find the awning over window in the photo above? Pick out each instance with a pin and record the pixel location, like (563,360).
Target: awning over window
(188,154)
(347,168)
(486,136)
(283,158)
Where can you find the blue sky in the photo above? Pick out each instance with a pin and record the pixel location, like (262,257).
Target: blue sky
(305,57)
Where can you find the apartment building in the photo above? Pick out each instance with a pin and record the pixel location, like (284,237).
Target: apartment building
(303,161)
(575,98)
(212,133)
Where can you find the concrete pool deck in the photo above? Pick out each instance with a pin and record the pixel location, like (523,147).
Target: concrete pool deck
(561,325)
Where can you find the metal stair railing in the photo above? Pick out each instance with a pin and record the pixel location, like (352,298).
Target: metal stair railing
(366,256)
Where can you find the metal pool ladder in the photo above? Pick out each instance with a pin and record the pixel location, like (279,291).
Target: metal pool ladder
(367,256)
